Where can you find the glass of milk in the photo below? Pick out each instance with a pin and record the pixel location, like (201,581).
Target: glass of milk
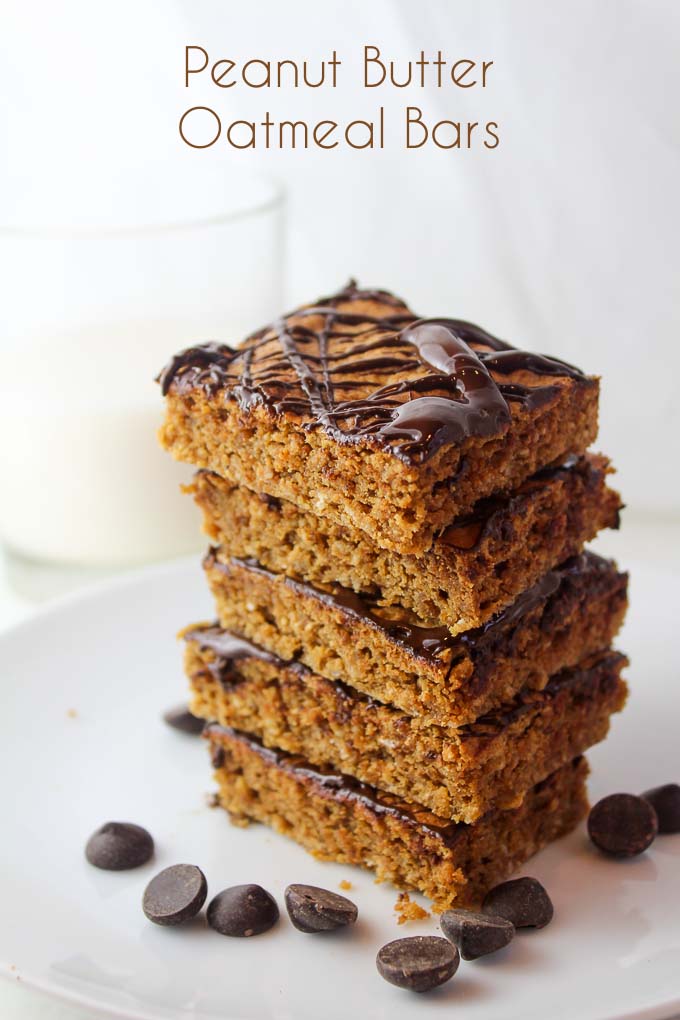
(99,290)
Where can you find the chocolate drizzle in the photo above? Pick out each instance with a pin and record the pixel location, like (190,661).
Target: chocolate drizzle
(228,649)
(339,785)
(228,646)
(406,385)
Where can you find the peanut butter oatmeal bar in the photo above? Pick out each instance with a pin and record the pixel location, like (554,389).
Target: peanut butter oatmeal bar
(460,773)
(417,665)
(357,410)
(475,568)
(337,818)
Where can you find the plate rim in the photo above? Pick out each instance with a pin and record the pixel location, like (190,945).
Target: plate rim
(662,1011)
(668,1010)
(92,589)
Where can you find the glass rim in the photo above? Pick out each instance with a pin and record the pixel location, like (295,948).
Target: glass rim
(275,200)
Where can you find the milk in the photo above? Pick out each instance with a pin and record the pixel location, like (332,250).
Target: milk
(83,479)
(105,276)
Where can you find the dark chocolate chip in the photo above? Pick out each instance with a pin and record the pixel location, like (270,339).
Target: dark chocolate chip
(476,934)
(523,901)
(242,910)
(419,963)
(666,802)
(175,895)
(622,824)
(118,846)
(217,756)
(312,909)
(180,718)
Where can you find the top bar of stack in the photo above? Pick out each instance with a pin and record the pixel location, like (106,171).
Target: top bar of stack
(355,409)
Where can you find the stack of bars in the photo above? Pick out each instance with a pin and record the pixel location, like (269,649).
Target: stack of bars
(412,651)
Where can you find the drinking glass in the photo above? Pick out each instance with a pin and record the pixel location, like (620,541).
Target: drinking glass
(100,287)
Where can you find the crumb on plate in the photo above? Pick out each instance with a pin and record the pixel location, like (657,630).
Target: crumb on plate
(408,910)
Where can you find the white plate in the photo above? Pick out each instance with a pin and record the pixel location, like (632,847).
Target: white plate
(613,950)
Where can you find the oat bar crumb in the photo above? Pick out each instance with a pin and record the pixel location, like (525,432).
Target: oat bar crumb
(408,909)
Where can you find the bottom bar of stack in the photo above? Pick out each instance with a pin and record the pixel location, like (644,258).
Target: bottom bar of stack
(337,818)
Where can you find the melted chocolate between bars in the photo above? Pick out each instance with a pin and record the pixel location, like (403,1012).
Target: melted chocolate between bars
(230,648)
(341,787)
(601,671)
(490,514)
(431,643)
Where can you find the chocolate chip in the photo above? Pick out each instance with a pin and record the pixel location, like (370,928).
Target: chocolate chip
(476,934)
(523,901)
(180,718)
(118,846)
(312,909)
(622,824)
(666,802)
(175,895)
(419,963)
(242,910)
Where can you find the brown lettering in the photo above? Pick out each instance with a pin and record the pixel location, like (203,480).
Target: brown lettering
(320,135)
(218,76)
(195,145)
(417,121)
(457,76)
(373,60)
(193,70)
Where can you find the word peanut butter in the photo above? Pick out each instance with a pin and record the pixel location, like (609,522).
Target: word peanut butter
(202,127)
